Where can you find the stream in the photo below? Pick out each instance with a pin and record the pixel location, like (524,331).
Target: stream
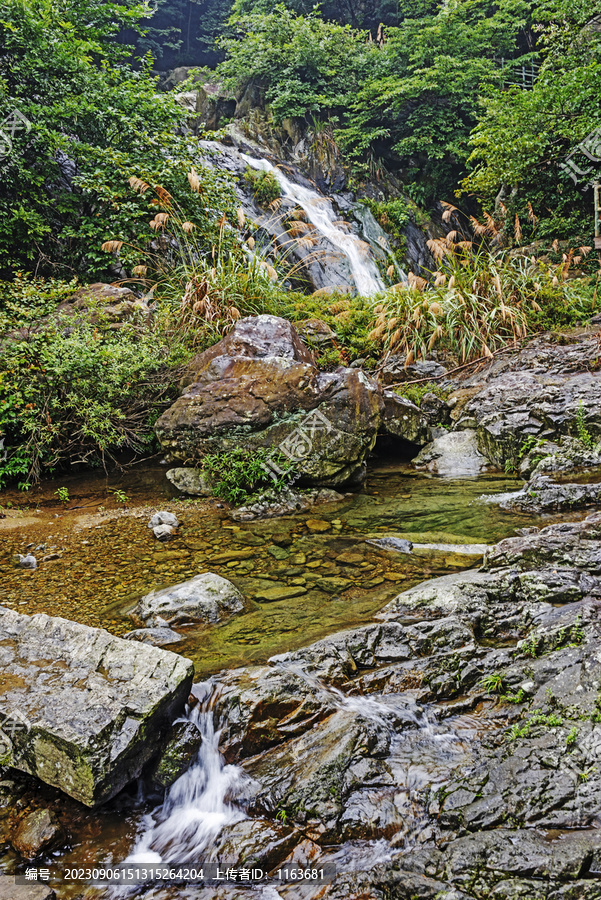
(101,562)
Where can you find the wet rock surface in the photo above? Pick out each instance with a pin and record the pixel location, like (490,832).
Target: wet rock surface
(544,391)
(259,387)
(36,832)
(205,598)
(462,728)
(454,454)
(80,708)
(404,419)
(177,753)
(11,891)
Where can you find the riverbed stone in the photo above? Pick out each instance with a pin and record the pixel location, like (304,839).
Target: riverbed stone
(259,388)
(190,481)
(11,891)
(82,709)
(279,592)
(163,518)
(272,504)
(37,832)
(454,454)
(204,598)
(158,637)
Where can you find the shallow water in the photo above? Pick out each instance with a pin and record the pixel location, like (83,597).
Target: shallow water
(105,566)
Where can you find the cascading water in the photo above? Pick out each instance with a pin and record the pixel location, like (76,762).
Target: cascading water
(197,806)
(321,215)
(185,828)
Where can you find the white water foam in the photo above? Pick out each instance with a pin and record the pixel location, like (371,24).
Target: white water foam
(320,213)
(197,805)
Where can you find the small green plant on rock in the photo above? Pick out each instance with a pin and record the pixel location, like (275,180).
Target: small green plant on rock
(572,737)
(240,473)
(493,683)
(120,496)
(530,645)
(537,718)
(584,434)
(264,185)
(416,392)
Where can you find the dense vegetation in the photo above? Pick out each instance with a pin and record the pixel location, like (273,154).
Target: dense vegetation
(100,179)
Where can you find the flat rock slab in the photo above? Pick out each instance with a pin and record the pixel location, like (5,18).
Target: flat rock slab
(11,891)
(81,709)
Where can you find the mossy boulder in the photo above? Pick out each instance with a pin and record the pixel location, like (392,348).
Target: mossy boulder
(80,709)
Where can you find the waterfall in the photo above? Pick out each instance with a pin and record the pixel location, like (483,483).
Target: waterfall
(197,805)
(321,215)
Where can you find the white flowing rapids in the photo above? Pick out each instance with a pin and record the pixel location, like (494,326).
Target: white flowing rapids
(197,806)
(320,213)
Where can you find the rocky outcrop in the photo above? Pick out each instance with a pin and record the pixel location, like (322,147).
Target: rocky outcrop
(259,387)
(454,454)
(403,419)
(81,709)
(204,598)
(463,728)
(545,391)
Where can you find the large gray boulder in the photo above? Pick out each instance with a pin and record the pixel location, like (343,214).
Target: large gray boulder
(204,598)
(403,419)
(544,392)
(81,709)
(260,387)
(454,454)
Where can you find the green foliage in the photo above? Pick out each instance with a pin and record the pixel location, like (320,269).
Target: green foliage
(351,318)
(572,737)
(120,496)
(537,718)
(479,302)
(416,392)
(493,683)
(239,474)
(568,636)
(76,392)
(301,64)
(63,495)
(416,91)
(265,186)
(94,123)
(584,434)
(392,215)
(524,136)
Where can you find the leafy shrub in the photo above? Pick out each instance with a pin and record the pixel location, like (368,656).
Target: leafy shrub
(239,474)
(73,392)
(95,121)
(265,186)
(392,215)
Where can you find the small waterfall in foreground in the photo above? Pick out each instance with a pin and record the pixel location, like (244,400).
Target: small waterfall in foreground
(197,805)
(321,215)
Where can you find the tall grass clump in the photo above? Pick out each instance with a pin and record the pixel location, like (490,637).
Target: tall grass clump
(478,301)
(202,290)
